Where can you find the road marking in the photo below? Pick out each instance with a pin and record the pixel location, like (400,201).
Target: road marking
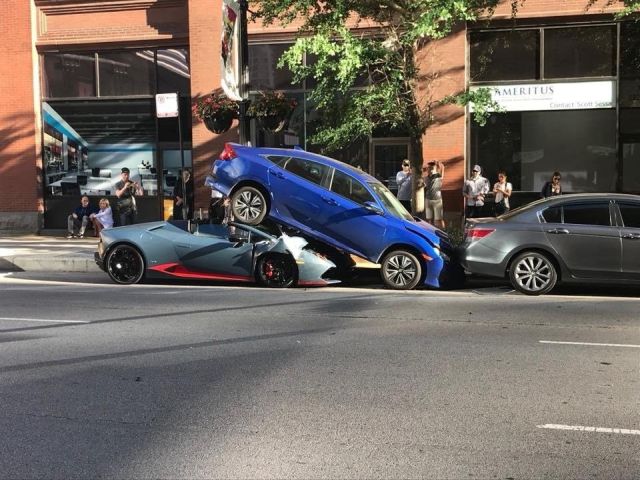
(12,319)
(580,428)
(589,344)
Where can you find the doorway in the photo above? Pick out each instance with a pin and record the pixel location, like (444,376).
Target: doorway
(387,155)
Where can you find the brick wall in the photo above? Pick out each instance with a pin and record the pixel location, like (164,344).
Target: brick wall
(20,199)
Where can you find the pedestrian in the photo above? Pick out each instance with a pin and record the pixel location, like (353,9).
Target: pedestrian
(474,190)
(126,191)
(80,218)
(103,219)
(502,190)
(552,187)
(433,207)
(403,180)
(183,202)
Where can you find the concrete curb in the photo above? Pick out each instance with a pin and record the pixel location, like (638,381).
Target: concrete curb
(44,263)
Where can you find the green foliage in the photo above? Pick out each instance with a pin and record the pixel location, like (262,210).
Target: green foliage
(483,103)
(271,104)
(366,81)
(214,105)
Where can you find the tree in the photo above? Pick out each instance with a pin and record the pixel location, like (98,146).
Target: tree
(382,59)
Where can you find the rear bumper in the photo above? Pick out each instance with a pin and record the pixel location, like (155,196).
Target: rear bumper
(478,259)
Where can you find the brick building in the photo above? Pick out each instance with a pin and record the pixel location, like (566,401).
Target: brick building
(79,80)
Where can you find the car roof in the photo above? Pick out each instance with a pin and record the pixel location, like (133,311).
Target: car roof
(332,162)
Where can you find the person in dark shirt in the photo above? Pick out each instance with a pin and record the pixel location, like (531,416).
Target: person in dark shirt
(126,190)
(79,219)
(183,202)
(552,187)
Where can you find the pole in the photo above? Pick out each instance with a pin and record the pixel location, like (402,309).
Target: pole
(243,126)
(185,207)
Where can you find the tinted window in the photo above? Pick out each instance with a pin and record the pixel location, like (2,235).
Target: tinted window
(69,75)
(630,214)
(506,55)
(579,52)
(277,159)
(263,69)
(553,215)
(173,71)
(127,73)
(350,188)
(312,171)
(587,214)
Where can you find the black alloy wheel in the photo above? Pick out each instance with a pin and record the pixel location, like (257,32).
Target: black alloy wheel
(401,270)
(125,265)
(248,205)
(276,270)
(532,273)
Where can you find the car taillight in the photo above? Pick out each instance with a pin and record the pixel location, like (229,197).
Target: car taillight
(478,233)
(228,153)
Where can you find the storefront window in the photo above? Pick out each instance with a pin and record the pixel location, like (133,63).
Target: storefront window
(580,52)
(263,70)
(532,145)
(504,55)
(127,73)
(69,75)
(173,70)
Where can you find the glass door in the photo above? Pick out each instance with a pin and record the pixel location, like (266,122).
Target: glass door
(387,155)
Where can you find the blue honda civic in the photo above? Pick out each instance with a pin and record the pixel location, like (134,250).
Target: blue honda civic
(334,203)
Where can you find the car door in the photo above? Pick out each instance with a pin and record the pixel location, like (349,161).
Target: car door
(347,220)
(222,257)
(630,238)
(297,190)
(586,240)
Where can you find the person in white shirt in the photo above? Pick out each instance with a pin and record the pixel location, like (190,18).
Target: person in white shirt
(503,190)
(403,180)
(104,218)
(474,190)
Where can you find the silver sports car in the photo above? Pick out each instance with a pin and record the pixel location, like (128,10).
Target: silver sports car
(581,238)
(233,253)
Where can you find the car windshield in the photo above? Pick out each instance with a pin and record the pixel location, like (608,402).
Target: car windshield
(391,203)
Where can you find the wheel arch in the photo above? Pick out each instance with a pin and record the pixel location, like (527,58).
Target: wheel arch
(129,243)
(257,258)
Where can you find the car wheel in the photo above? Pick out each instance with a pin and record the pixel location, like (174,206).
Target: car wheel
(532,273)
(125,264)
(248,205)
(276,270)
(401,270)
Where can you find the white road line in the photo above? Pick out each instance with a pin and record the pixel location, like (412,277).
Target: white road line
(44,320)
(580,428)
(589,344)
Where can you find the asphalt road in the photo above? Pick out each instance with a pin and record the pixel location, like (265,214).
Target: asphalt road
(200,381)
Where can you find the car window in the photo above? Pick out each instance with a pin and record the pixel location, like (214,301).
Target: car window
(307,169)
(350,188)
(587,214)
(630,214)
(552,215)
(277,159)
(391,203)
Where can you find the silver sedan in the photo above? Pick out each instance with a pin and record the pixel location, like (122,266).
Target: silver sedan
(580,238)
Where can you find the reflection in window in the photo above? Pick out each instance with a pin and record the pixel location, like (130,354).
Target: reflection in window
(580,52)
(126,73)
(553,215)
(530,146)
(312,171)
(263,70)
(504,55)
(630,214)
(350,188)
(587,214)
(69,75)
(173,70)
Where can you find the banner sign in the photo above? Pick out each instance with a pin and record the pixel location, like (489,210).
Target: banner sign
(554,96)
(230,49)
(166,105)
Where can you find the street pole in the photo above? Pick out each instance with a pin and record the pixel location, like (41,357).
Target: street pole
(243,126)
(185,208)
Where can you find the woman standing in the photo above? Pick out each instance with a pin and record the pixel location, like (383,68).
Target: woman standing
(433,208)
(552,187)
(502,190)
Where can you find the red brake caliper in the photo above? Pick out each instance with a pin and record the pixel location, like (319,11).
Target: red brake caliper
(268,271)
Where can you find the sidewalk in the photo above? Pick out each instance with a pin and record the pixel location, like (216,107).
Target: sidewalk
(46,253)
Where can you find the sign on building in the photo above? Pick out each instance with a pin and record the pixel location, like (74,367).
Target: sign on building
(167,105)
(230,49)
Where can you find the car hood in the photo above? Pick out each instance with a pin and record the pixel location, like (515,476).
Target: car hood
(426,230)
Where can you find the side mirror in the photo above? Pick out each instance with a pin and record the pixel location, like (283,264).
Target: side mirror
(373,208)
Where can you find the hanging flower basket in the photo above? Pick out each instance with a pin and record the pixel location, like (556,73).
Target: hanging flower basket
(272,123)
(218,124)
(216,111)
(271,109)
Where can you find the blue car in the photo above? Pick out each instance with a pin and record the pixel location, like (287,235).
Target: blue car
(334,203)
